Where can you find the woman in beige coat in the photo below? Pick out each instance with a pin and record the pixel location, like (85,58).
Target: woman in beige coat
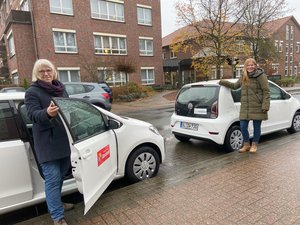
(255,101)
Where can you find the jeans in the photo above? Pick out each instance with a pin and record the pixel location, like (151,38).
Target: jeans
(256,127)
(54,173)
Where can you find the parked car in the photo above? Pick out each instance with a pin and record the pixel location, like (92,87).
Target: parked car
(208,111)
(12,89)
(104,147)
(91,92)
(107,88)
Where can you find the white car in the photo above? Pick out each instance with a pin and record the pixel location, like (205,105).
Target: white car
(104,147)
(208,111)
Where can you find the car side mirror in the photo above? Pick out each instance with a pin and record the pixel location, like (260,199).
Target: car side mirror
(114,124)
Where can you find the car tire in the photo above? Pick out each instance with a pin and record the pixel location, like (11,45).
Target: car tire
(295,127)
(233,139)
(142,164)
(182,138)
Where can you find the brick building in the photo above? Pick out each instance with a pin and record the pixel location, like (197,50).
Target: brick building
(285,32)
(85,39)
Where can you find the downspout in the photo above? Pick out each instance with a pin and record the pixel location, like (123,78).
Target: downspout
(33,31)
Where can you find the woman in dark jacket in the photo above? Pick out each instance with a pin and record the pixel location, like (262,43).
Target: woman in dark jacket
(255,101)
(51,143)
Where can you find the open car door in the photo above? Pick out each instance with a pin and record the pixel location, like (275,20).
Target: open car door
(93,147)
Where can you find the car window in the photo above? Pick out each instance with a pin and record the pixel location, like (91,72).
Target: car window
(275,92)
(83,119)
(8,125)
(88,88)
(73,89)
(236,95)
(202,94)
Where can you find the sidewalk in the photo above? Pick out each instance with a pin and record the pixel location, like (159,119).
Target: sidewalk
(235,188)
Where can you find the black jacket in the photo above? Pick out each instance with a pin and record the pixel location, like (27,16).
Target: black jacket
(49,135)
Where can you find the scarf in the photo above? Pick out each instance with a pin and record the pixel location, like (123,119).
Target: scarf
(56,89)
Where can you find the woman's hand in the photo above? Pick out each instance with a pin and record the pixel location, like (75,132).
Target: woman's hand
(52,109)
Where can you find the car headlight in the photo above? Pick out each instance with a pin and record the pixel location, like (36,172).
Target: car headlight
(154,130)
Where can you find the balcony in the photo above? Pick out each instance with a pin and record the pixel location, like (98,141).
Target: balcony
(18,16)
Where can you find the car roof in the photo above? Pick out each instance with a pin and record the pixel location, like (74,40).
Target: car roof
(12,96)
(88,83)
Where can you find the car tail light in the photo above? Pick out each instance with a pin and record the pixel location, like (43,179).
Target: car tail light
(214,111)
(105,95)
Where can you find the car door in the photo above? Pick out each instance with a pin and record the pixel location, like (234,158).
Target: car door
(93,148)
(16,178)
(279,113)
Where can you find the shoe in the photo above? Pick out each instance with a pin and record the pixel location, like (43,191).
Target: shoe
(60,222)
(253,148)
(68,206)
(245,148)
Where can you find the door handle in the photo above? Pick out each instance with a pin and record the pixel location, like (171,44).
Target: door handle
(87,154)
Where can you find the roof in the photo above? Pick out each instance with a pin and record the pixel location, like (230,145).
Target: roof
(177,35)
(12,96)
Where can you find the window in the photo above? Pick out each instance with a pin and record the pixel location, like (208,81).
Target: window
(295,70)
(24,5)
(64,41)
(108,10)
(280,46)
(69,74)
(287,32)
(275,67)
(8,126)
(292,33)
(113,45)
(291,49)
(15,77)
(298,47)
(61,7)
(111,77)
(276,46)
(286,48)
(83,119)
(147,75)
(146,46)
(173,55)
(144,14)
(11,44)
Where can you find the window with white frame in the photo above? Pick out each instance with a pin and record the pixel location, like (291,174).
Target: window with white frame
(287,32)
(291,59)
(291,49)
(111,44)
(292,33)
(61,7)
(295,70)
(144,14)
(24,5)
(69,74)
(276,46)
(15,77)
(108,10)
(280,46)
(64,41)
(147,75)
(111,77)
(173,55)
(286,48)
(146,46)
(11,44)
(275,67)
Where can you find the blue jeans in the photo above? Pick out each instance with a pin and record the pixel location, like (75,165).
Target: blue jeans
(256,130)
(54,173)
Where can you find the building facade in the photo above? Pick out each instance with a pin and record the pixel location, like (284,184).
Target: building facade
(87,40)
(284,32)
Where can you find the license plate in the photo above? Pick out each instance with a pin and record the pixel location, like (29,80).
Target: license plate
(189,126)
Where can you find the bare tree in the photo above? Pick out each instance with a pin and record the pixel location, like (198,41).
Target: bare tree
(214,25)
(257,20)
(92,67)
(125,65)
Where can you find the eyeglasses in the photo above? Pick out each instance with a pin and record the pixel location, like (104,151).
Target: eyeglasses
(45,71)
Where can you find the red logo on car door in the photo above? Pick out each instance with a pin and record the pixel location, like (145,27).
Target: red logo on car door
(103,154)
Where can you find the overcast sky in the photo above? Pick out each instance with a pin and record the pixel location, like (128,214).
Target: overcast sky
(168,14)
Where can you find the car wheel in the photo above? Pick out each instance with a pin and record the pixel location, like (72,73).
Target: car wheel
(295,127)
(142,164)
(233,139)
(182,138)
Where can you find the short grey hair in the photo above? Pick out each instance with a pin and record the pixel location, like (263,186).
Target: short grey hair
(43,63)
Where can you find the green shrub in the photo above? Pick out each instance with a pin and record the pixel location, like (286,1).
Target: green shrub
(286,82)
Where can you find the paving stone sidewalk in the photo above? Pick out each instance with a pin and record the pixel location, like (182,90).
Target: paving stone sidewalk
(261,188)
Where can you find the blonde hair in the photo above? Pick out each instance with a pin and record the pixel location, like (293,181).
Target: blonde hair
(42,63)
(245,79)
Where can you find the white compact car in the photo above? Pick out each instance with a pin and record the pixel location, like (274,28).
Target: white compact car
(104,147)
(208,111)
